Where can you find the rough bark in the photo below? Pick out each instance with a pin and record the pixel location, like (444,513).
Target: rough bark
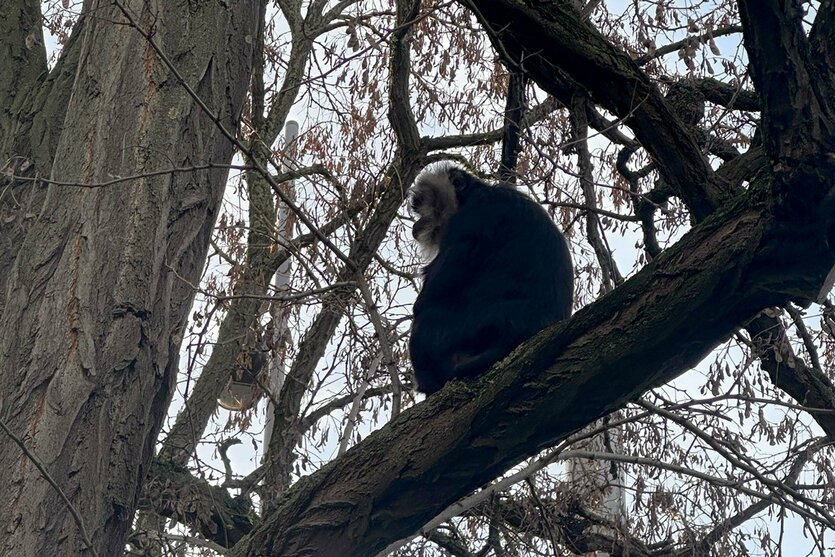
(24,58)
(796,98)
(101,285)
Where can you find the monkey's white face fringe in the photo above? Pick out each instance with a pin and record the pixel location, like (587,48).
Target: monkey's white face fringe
(433,199)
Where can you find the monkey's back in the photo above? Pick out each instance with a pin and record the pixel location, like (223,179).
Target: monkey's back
(503,272)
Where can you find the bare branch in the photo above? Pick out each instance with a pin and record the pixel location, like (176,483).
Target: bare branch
(312,346)
(610,275)
(122,179)
(674,47)
(807,385)
(554,42)
(341,402)
(739,463)
(713,480)
(383,333)
(718,531)
(513,115)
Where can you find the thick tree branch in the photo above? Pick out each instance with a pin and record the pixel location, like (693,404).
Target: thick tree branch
(514,114)
(554,42)
(729,96)
(655,326)
(674,47)
(400,109)
(744,167)
(797,105)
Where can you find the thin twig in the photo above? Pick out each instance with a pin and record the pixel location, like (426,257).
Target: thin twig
(121,179)
(383,332)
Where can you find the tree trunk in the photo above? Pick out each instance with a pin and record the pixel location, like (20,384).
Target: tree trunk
(102,281)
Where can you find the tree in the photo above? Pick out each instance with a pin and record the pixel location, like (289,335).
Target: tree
(116,162)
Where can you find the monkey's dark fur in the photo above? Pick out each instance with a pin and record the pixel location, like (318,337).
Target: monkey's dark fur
(501,273)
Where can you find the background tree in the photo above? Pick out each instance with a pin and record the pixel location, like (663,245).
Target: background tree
(701,135)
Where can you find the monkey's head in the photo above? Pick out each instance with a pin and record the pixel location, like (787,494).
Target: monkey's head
(435,197)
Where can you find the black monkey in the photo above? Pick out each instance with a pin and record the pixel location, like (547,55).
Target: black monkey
(501,272)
